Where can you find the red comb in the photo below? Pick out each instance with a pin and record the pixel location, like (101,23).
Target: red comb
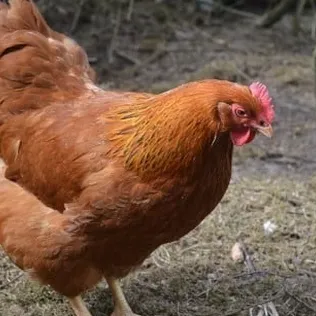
(260,91)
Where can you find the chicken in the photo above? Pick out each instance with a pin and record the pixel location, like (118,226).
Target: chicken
(104,178)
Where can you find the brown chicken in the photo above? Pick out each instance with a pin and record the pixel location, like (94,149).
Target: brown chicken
(104,178)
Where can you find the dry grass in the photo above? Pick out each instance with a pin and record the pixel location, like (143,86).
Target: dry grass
(196,275)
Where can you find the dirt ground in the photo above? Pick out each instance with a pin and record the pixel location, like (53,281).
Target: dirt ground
(272,180)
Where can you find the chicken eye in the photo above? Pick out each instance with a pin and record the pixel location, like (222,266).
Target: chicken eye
(241,113)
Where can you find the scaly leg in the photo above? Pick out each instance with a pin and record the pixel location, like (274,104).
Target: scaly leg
(121,307)
(78,306)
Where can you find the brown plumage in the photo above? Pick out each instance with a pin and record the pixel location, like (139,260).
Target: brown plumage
(115,174)
(47,56)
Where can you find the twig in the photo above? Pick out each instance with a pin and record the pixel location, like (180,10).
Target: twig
(274,15)
(75,21)
(262,303)
(313,28)
(297,17)
(278,155)
(115,33)
(130,10)
(161,49)
(3,286)
(125,56)
(314,69)
(241,73)
(235,11)
(306,272)
(267,308)
(251,267)
(262,273)
(297,299)
(258,274)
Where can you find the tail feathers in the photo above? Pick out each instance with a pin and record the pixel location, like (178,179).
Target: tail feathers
(37,238)
(22,15)
(26,224)
(37,65)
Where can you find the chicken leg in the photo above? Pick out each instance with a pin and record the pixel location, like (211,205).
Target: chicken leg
(78,306)
(121,307)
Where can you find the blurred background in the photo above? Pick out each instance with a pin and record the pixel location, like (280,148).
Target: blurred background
(169,40)
(154,45)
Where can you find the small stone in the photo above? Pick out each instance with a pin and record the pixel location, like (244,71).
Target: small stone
(237,254)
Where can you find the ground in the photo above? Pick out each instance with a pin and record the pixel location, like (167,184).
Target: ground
(272,179)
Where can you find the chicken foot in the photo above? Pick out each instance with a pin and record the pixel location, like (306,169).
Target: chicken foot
(121,307)
(78,306)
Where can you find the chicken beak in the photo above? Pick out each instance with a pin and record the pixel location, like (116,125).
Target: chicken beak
(265,130)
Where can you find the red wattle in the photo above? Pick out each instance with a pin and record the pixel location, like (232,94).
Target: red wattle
(242,136)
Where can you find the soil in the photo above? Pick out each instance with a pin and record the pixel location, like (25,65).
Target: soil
(272,180)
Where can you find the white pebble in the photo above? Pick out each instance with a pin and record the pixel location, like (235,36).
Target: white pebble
(269,227)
